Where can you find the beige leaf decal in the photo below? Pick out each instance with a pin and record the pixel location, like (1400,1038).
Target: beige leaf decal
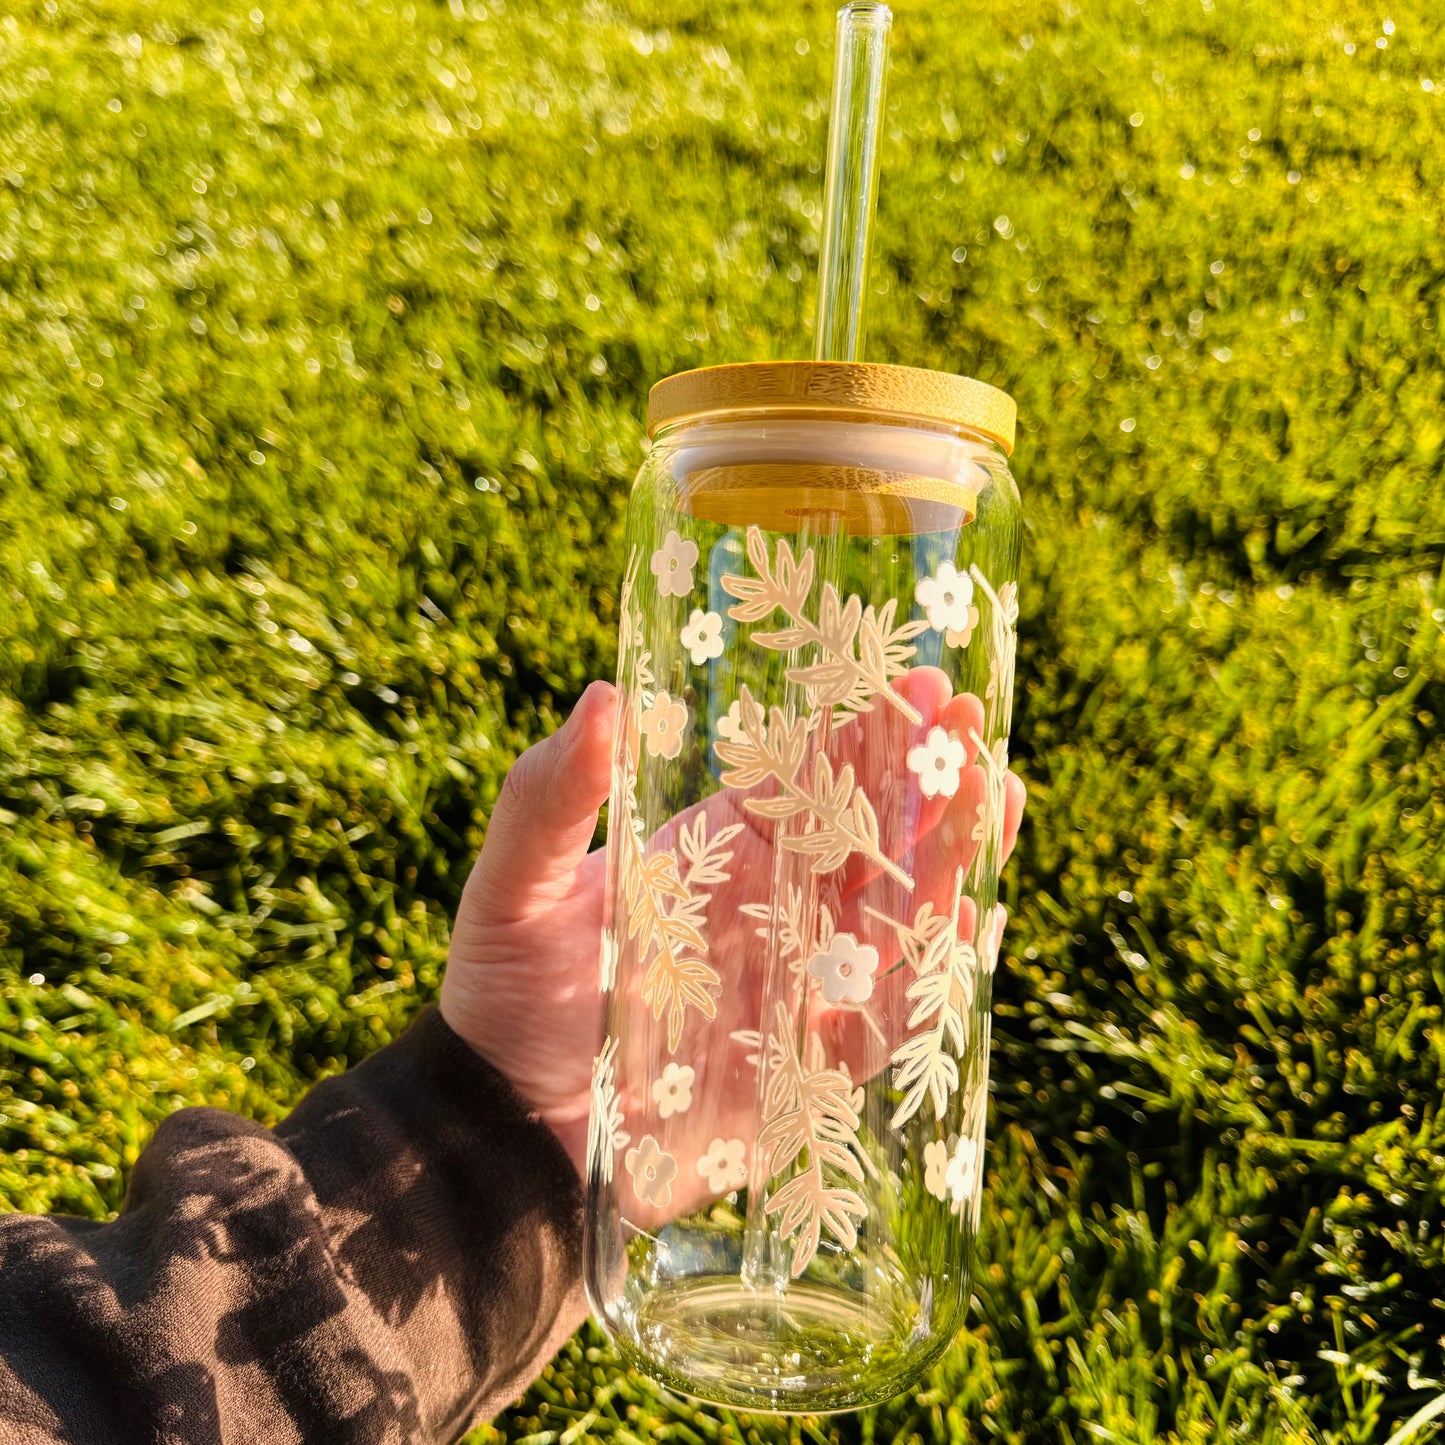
(850,682)
(773,747)
(811,1121)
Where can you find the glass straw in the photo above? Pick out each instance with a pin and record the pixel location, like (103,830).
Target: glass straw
(860,68)
(860,65)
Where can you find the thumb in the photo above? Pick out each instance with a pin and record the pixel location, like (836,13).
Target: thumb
(546,814)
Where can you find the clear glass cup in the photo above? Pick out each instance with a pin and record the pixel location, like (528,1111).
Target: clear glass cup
(815,680)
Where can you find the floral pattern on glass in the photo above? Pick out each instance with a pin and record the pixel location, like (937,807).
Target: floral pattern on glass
(925,1066)
(947,599)
(991,939)
(938,763)
(811,1118)
(1003,620)
(935,1168)
(702,636)
(779,761)
(652,1169)
(663,724)
(989,825)
(662,909)
(672,1092)
(801,932)
(665,919)
(672,565)
(724,1167)
(668,911)
(773,748)
(729,725)
(845,971)
(860,649)
(964,1178)
(605,1134)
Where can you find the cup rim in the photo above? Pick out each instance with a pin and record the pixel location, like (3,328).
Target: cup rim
(854,389)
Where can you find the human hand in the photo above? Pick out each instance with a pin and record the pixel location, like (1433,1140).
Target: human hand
(522,977)
(521,984)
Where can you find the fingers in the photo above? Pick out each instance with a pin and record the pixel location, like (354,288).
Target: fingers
(1015,795)
(546,814)
(876,746)
(908,815)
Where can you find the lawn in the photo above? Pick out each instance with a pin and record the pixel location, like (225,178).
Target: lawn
(326,338)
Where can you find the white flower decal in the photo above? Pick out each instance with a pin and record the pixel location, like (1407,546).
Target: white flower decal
(730,724)
(846,969)
(724,1166)
(935,1168)
(947,598)
(672,1093)
(702,636)
(672,565)
(662,725)
(937,760)
(965,1178)
(653,1169)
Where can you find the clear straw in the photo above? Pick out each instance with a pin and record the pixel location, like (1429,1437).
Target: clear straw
(860,68)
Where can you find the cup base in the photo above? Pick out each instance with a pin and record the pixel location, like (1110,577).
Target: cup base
(810,1349)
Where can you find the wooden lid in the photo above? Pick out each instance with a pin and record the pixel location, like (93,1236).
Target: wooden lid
(831,388)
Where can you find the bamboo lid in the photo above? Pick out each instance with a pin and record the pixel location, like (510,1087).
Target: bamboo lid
(858,390)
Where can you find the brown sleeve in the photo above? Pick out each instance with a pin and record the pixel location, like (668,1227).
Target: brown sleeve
(395,1261)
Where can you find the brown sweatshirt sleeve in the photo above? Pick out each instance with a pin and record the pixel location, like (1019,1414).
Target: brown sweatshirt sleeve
(395,1261)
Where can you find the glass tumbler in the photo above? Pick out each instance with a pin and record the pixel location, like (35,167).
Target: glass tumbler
(815,676)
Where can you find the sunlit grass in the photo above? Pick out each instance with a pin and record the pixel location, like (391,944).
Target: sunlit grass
(326,336)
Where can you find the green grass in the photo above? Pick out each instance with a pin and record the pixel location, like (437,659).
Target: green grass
(326,336)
